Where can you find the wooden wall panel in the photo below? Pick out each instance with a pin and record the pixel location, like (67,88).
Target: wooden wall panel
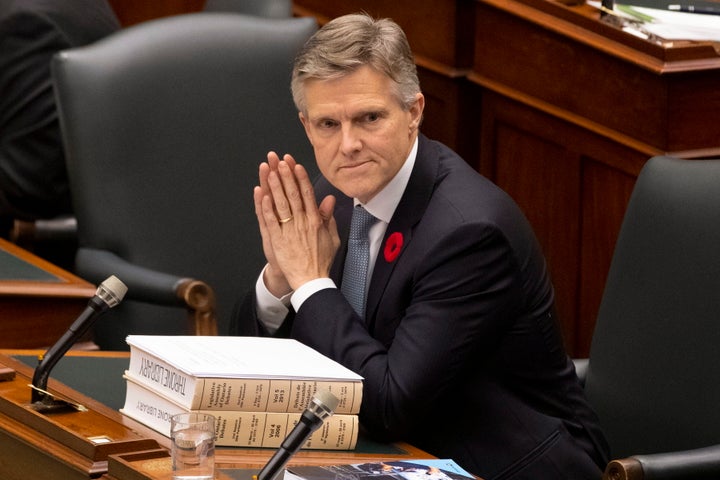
(536,173)
(130,12)
(440,32)
(573,186)
(605,193)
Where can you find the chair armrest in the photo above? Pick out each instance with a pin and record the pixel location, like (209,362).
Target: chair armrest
(697,464)
(581,368)
(144,284)
(152,286)
(60,229)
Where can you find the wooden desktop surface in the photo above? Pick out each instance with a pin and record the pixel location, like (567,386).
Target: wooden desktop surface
(38,300)
(57,445)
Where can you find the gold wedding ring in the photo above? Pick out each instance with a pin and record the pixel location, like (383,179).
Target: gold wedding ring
(285,220)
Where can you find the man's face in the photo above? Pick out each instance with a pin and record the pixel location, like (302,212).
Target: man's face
(359,131)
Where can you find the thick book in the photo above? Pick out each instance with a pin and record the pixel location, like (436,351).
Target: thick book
(240,373)
(411,469)
(237,428)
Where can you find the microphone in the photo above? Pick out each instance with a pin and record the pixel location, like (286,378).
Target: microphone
(108,295)
(322,405)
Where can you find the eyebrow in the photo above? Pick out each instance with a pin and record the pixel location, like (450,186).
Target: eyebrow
(381,111)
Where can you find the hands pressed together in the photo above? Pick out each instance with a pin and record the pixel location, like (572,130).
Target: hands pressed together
(299,236)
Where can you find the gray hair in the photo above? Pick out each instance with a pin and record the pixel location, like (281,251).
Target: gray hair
(349,42)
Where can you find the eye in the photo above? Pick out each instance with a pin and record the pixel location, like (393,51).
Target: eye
(372,117)
(326,123)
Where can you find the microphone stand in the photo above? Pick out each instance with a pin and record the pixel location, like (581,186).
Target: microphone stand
(321,406)
(109,294)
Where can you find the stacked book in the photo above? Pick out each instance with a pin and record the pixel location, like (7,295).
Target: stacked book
(257,388)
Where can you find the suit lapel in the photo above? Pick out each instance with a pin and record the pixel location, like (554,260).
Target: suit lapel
(408,213)
(343,214)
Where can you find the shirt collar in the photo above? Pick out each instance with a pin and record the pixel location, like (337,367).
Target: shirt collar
(383,205)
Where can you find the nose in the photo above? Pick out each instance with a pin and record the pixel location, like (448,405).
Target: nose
(350,142)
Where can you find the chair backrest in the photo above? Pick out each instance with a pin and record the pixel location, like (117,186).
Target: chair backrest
(262,8)
(654,367)
(165,124)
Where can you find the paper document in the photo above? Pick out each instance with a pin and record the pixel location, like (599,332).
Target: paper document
(671,25)
(677,25)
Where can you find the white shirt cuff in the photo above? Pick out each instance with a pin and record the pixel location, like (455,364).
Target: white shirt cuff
(309,288)
(271,311)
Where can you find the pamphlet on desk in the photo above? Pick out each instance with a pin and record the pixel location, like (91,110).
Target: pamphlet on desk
(669,21)
(235,428)
(411,469)
(240,373)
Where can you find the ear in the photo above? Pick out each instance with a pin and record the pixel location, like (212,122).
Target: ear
(416,111)
(306,126)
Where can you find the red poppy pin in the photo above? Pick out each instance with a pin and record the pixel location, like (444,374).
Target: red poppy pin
(393,246)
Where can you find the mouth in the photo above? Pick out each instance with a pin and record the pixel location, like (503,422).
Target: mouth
(355,165)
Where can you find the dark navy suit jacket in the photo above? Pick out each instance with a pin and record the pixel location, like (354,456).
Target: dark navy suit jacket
(460,353)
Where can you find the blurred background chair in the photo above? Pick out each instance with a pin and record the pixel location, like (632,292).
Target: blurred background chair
(35,205)
(261,8)
(164,125)
(654,362)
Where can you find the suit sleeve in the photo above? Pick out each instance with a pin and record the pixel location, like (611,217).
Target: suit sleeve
(245,321)
(447,304)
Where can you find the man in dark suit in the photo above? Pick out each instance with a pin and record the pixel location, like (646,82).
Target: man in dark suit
(456,339)
(33,180)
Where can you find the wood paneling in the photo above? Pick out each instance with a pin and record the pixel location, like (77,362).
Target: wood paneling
(571,110)
(34,312)
(130,12)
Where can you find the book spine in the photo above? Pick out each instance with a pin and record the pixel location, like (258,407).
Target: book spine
(271,395)
(250,395)
(156,374)
(240,428)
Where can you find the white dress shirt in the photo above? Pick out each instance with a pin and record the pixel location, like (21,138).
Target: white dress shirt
(272,310)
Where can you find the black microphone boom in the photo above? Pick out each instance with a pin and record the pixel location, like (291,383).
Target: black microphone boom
(108,295)
(321,406)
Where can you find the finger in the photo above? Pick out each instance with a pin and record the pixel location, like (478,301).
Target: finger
(258,195)
(273,160)
(307,193)
(291,189)
(263,172)
(327,213)
(290,161)
(327,208)
(272,226)
(278,197)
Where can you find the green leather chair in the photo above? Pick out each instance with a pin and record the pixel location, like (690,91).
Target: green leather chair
(165,124)
(653,374)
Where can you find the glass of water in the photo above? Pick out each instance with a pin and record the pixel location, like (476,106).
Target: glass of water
(193,446)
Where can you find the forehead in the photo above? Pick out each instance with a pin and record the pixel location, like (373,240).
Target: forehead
(361,89)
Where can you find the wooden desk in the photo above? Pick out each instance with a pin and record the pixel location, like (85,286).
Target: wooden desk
(38,300)
(241,463)
(58,445)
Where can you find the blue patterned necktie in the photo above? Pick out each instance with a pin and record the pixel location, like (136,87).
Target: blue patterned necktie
(357,260)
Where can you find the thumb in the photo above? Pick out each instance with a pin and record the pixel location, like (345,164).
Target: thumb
(327,208)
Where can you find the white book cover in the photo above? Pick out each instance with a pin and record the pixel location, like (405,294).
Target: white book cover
(242,357)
